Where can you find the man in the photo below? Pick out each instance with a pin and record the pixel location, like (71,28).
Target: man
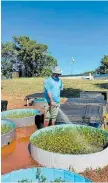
(52,87)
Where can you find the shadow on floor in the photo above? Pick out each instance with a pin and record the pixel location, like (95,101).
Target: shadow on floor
(29,149)
(70,92)
(102,85)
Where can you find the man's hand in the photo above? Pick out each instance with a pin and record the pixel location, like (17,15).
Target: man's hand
(53,103)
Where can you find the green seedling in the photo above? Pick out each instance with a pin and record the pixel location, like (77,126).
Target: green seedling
(98,170)
(71,168)
(40,178)
(5,128)
(25,181)
(69,140)
(15,115)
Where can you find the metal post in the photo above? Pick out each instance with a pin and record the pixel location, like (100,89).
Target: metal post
(72,61)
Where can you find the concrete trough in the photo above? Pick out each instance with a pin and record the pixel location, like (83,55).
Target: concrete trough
(9,136)
(20,122)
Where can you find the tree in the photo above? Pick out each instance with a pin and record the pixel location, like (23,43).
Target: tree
(6,68)
(49,63)
(33,55)
(29,54)
(100,70)
(8,59)
(103,69)
(88,72)
(104,63)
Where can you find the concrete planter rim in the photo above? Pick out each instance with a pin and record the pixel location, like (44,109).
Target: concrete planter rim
(19,110)
(37,132)
(8,137)
(69,154)
(10,124)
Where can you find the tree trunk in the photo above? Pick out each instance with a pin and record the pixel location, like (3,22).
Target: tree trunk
(15,75)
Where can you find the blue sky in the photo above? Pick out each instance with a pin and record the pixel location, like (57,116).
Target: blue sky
(70,29)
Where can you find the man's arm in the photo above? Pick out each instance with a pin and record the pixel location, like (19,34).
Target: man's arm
(47,87)
(51,99)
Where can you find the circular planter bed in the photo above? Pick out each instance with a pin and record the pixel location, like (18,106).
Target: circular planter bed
(8,132)
(65,146)
(21,117)
(43,175)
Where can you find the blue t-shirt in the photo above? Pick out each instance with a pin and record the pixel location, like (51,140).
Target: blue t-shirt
(53,85)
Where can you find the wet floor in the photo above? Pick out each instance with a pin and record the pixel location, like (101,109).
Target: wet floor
(16,155)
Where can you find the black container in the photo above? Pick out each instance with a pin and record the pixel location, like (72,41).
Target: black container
(4,104)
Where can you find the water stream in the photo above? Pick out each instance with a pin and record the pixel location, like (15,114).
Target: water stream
(64,117)
(77,137)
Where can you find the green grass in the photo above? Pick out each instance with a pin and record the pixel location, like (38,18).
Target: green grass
(71,140)
(21,87)
(15,115)
(5,128)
